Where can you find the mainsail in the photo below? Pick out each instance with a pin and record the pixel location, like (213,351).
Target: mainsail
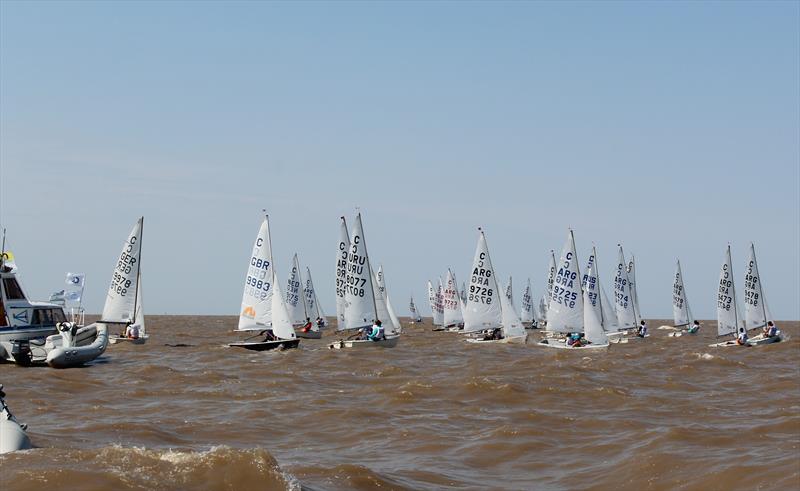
(526,310)
(451,303)
(626,317)
(256,312)
(295,299)
(755,304)
(483,310)
(360,306)
(120,306)
(341,272)
(380,283)
(680,304)
(727,307)
(566,301)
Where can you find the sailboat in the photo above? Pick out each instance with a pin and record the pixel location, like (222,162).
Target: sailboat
(483,311)
(634,292)
(263,305)
(312,302)
(415,317)
(756,311)
(453,317)
(681,313)
(341,271)
(526,309)
(623,301)
(591,304)
(544,302)
(299,312)
(439,315)
(436,320)
(364,303)
(729,320)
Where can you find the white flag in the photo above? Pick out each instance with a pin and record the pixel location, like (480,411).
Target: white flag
(75,279)
(57,296)
(74,296)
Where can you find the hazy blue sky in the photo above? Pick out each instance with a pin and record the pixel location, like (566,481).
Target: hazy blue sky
(671,127)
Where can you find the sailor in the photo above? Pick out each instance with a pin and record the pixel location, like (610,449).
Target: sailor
(307,325)
(132,331)
(376,334)
(694,327)
(320,322)
(270,336)
(741,339)
(642,332)
(770,330)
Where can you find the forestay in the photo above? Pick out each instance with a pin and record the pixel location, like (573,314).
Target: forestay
(622,296)
(341,268)
(256,312)
(451,303)
(566,301)
(360,305)
(680,304)
(755,306)
(120,306)
(483,310)
(727,310)
(526,310)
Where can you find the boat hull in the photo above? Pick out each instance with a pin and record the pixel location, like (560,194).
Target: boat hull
(73,356)
(123,339)
(389,342)
(509,340)
(562,345)
(267,345)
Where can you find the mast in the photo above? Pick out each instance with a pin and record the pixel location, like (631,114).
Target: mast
(369,266)
(138,276)
(269,239)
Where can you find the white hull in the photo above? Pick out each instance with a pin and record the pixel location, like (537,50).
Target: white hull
(564,345)
(123,339)
(510,340)
(389,342)
(754,341)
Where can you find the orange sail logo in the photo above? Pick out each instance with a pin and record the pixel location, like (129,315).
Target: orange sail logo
(249,311)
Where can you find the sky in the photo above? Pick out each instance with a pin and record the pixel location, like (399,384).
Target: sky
(669,127)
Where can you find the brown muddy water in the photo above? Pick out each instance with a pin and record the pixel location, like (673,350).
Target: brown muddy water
(433,413)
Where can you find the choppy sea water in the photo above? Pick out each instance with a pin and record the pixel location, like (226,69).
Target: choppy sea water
(433,413)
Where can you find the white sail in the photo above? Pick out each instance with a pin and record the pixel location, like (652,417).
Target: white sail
(755,304)
(415,317)
(281,320)
(634,292)
(483,310)
(541,310)
(526,310)
(312,307)
(451,302)
(138,317)
(622,296)
(295,300)
(120,306)
(510,291)
(360,305)
(609,320)
(592,313)
(566,302)
(380,282)
(463,295)
(680,304)
(591,290)
(256,312)
(439,314)
(432,302)
(727,307)
(551,279)
(512,325)
(341,268)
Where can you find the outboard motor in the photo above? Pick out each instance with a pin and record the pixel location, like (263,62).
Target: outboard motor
(21,352)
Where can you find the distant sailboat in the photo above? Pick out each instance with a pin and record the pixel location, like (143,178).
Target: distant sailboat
(380,282)
(756,311)
(681,313)
(623,301)
(415,317)
(634,292)
(312,302)
(439,315)
(729,320)
(296,303)
(437,322)
(452,315)
(526,309)
(263,306)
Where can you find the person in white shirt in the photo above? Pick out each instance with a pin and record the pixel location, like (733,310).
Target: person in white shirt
(132,331)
